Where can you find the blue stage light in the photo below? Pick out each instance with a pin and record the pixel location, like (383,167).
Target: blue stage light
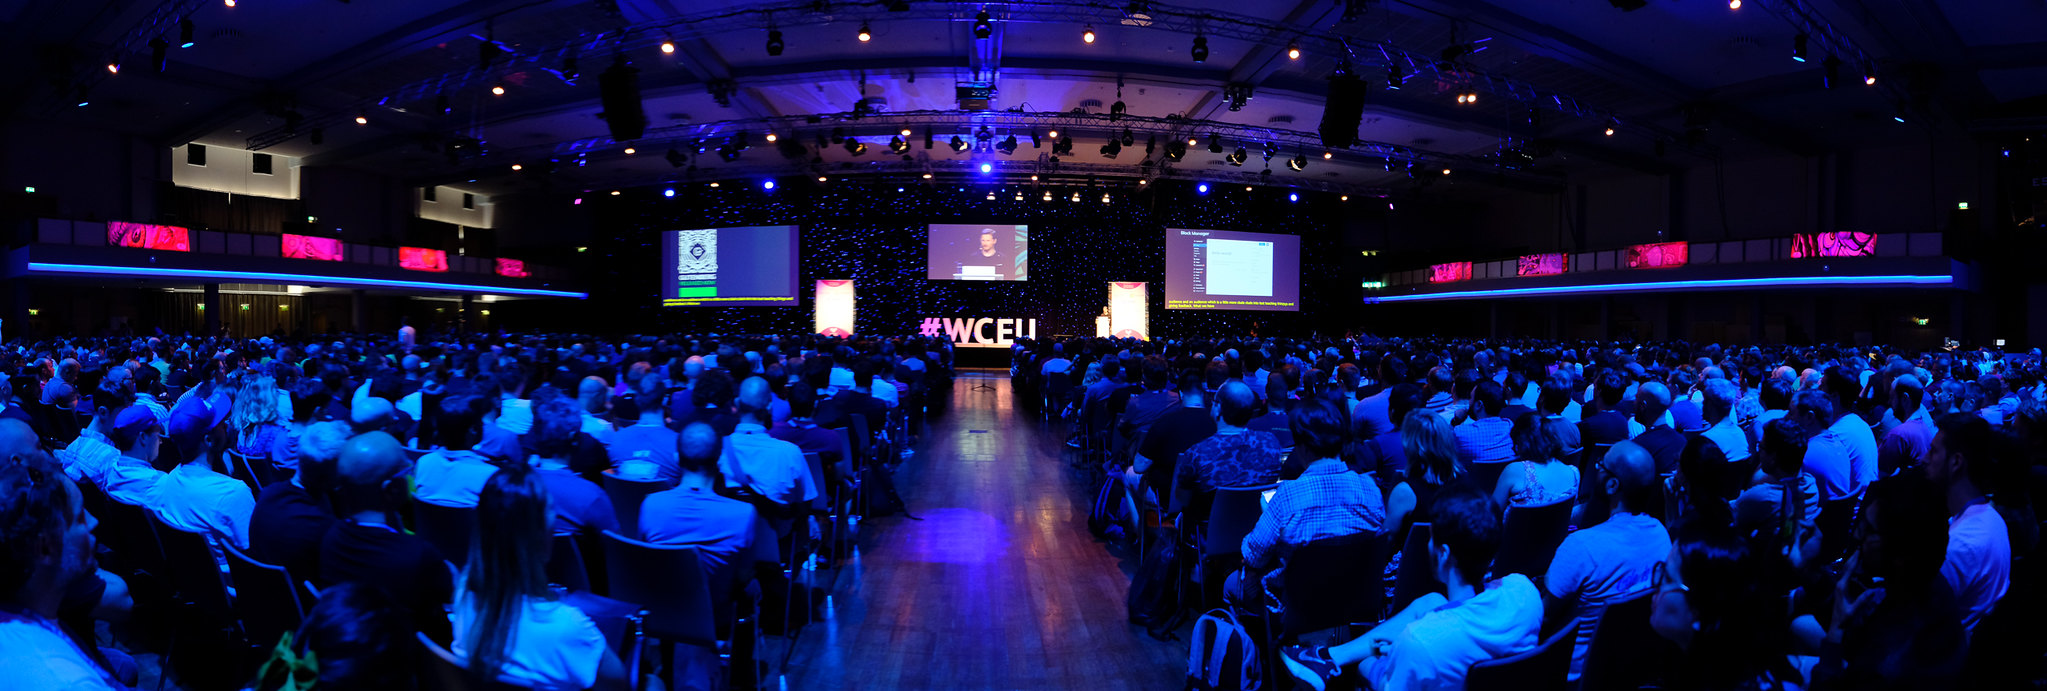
(288,278)
(1201,188)
(987,167)
(668,192)
(767,184)
(1780,281)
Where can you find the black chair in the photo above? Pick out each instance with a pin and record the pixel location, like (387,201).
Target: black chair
(1416,577)
(1057,386)
(193,573)
(242,468)
(1231,515)
(442,672)
(626,497)
(1625,653)
(670,583)
(128,531)
(1545,668)
(1320,586)
(1530,537)
(447,527)
(826,506)
(565,565)
(1836,524)
(266,598)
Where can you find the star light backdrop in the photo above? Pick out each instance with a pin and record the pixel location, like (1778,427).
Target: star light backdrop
(869,232)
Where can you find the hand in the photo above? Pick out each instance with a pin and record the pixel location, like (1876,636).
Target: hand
(1847,609)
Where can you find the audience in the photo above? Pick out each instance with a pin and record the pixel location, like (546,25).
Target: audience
(579,505)
(1979,557)
(453,473)
(1906,443)
(1485,439)
(1616,559)
(194,497)
(366,546)
(353,639)
(292,517)
(693,513)
(1651,428)
(1541,477)
(1235,456)
(1714,599)
(1326,501)
(1431,449)
(46,550)
(646,448)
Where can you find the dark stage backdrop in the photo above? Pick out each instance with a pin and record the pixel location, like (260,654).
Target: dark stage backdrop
(876,236)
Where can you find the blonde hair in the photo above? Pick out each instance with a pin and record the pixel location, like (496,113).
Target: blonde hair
(1430,444)
(255,405)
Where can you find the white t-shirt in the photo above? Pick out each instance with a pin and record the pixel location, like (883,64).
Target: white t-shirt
(1439,648)
(38,656)
(515,415)
(1602,564)
(552,647)
(1978,565)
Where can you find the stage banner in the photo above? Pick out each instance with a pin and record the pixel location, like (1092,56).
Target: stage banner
(834,307)
(1129,311)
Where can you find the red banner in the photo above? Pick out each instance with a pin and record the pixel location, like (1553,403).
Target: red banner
(1549,264)
(1661,255)
(422,259)
(1453,271)
(309,247)
(512,268)
(148,236)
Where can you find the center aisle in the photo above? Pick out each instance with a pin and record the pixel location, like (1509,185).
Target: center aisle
(1000,586)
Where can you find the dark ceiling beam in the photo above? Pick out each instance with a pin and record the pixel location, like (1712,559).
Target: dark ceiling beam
(662,83)
(355,57)
(1571,49)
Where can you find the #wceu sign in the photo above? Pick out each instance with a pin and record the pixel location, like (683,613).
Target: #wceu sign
(980,333)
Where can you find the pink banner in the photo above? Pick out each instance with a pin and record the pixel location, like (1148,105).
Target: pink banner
(422,259)
(1661,255)
(1841,243)
(1549,264)
(148,236)
(1453,271)
(512,268)
(309,247)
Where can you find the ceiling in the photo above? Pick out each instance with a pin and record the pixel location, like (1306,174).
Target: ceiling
(1680,81)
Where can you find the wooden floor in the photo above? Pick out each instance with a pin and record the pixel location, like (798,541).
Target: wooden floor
(1000,586)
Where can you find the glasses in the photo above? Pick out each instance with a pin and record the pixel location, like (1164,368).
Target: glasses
(1661,577)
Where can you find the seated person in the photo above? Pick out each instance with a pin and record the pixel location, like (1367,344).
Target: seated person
(508,625)
(1434,641)
(1540,478)
(722,528)
(1713,599)
(1235,456)
(46,551)
(1782,500)
(647,444)
(453,473)
(765,467)
(579,505)
(292,516)
(1615,559)
(1326,501)
(365,546)
(194,497)
(354,638)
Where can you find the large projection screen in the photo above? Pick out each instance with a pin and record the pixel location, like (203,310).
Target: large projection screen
(978,252)
(752,266)
(1231,270)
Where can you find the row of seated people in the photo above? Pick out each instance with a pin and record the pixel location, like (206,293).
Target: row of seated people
(1661,458)
(738,476)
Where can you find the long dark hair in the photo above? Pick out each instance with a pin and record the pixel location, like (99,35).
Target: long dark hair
(507,563)
(358,638)
(1737,597)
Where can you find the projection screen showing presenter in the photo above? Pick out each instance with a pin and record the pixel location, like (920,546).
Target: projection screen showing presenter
(978,252)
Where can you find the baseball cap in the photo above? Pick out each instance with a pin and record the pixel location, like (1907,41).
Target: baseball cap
(194,417)
(134,420)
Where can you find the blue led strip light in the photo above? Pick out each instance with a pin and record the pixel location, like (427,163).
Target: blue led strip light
(1782,281)
(295,278)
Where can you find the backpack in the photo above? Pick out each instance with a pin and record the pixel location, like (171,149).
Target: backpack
(1154,598)
(880,489)
(1221,657)
(1101,515)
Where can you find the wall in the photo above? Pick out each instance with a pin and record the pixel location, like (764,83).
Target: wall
(356,206)
(103,176)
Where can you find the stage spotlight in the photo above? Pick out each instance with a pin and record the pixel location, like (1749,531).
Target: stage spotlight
(1129,139)
(1151,144)
(1271,150)
(1201,188)
(984,136)
(822,178)
(1297,162)
(1293,196)
(1048,195)
(185,31)
(1088,35)
(1868,75)
(675,158)
(1293,51)
(983,28)
(987,168)
(361,118)
(957,144)
(856,147)
(771,137)
(1733,4)
(1063,147)
(113,68)
(670,192)
(1328,156)
(1200,50)
(516,167)
(1899,114)
(775,44)
(667,46)
(1239,157)
(1831,74)
(160,53)
(1215,143)
(897,145)
(1798,48)
(1247,188)
(865,34)
(630,151)
(1007,146)
(768,185)
(497,89)
(1394,77)
(1117,109)
(1446,171)
(1111,149)
(1176,151)
(1035,141)
(1105,197)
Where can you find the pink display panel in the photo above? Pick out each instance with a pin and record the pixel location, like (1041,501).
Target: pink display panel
(1549,264)
(1453,271)
(309,247)
(422,259)
(1840,243)
(147,236)
(1661,255)
(512,268)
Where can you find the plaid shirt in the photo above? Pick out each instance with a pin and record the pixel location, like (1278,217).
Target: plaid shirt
(1242,459)
(1326,501)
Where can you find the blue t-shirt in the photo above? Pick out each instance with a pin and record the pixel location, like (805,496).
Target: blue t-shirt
(647,443)
(1603,564)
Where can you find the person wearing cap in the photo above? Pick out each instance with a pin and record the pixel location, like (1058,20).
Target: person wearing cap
(366,546)
(194,497)
(122,464)
(292,516)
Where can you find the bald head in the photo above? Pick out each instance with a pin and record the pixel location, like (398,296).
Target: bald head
(754,394)
(699,447)
(1238,403)
(16,438)
(1651,399)
(1633,473)
(591,393)
(367,460)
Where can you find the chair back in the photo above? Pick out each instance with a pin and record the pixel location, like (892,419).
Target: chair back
(669,582)
(1057,386)
(863,435)
(1331,582)
(1530,537)
(127,530)
(265,598)
(242,468)
(626,496)
(1546,668)
(1285,437)
(1625,652)
(445,673)
(565,565)
(447,527)
(1836,524)
(192,570)
(1416,577)
(823,502)
(1231,516)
